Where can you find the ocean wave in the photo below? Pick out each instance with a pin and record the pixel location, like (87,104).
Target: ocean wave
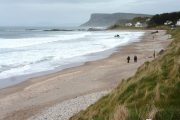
(25,42)
(32,55)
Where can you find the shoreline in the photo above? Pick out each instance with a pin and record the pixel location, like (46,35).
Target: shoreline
(43,92)
(20,79)
(13,81)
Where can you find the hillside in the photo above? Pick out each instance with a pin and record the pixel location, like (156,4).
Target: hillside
(153,92)
(106,20)
(160,19)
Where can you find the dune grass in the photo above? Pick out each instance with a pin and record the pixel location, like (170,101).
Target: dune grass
(152,93)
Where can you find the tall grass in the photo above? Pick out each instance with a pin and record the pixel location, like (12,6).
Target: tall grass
(152,93)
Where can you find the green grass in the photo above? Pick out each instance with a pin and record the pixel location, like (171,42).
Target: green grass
(122,27)
(153,92)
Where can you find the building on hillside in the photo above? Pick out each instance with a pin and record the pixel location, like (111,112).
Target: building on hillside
(138,24)
(147,20)
(128,24)
(178,23)
(168,22)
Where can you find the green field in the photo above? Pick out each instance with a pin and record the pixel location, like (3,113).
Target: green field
(153,92)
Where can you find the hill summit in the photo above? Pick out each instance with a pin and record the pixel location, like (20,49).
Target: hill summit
(106,20)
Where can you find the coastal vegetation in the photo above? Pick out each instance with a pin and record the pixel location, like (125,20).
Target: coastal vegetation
(160,19)
(123,27)
(152,93)
(140,19)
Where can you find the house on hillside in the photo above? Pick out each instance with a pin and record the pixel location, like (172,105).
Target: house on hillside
(147,20)
(138,24)
(128,24)
(178,23)
(168,22)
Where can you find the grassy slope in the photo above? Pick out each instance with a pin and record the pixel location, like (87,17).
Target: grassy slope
(122,27)
(153,92)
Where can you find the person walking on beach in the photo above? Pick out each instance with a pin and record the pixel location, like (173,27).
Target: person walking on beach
(128,59)
(154,54)
(135,58)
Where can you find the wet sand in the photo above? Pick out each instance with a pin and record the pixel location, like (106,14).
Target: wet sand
(31,97)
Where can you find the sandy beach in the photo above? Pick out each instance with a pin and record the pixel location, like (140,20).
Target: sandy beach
(32,97)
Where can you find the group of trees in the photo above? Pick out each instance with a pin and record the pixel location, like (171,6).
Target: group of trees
(156,20)
(160,19)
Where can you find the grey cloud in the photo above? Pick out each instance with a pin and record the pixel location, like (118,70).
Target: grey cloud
(53,1)
(74,12)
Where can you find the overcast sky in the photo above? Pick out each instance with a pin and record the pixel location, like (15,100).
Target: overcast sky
(74,12)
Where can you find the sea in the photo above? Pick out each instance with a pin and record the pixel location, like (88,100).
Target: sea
(27,52)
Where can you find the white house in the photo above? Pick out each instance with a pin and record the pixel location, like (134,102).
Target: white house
(147,20)
(178,23)
(138,24)
(129,24)
(168,22)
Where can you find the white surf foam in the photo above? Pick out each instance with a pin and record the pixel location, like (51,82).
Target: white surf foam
(31,55)
(25,42)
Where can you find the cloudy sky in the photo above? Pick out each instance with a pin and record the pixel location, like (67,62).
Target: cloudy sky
(74,12)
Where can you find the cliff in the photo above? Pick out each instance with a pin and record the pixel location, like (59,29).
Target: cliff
(106,20)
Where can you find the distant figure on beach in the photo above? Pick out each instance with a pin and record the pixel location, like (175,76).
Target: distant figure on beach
(153,37)
(128,59)
(135,58)
(154,54)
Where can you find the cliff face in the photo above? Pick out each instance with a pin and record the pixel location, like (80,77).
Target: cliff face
(106,20)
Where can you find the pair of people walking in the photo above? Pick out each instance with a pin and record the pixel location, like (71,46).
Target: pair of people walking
(129,58)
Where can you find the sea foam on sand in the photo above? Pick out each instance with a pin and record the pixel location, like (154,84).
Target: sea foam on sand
(32,55)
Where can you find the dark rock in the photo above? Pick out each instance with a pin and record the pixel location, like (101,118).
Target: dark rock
(161,52)
(57,30)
